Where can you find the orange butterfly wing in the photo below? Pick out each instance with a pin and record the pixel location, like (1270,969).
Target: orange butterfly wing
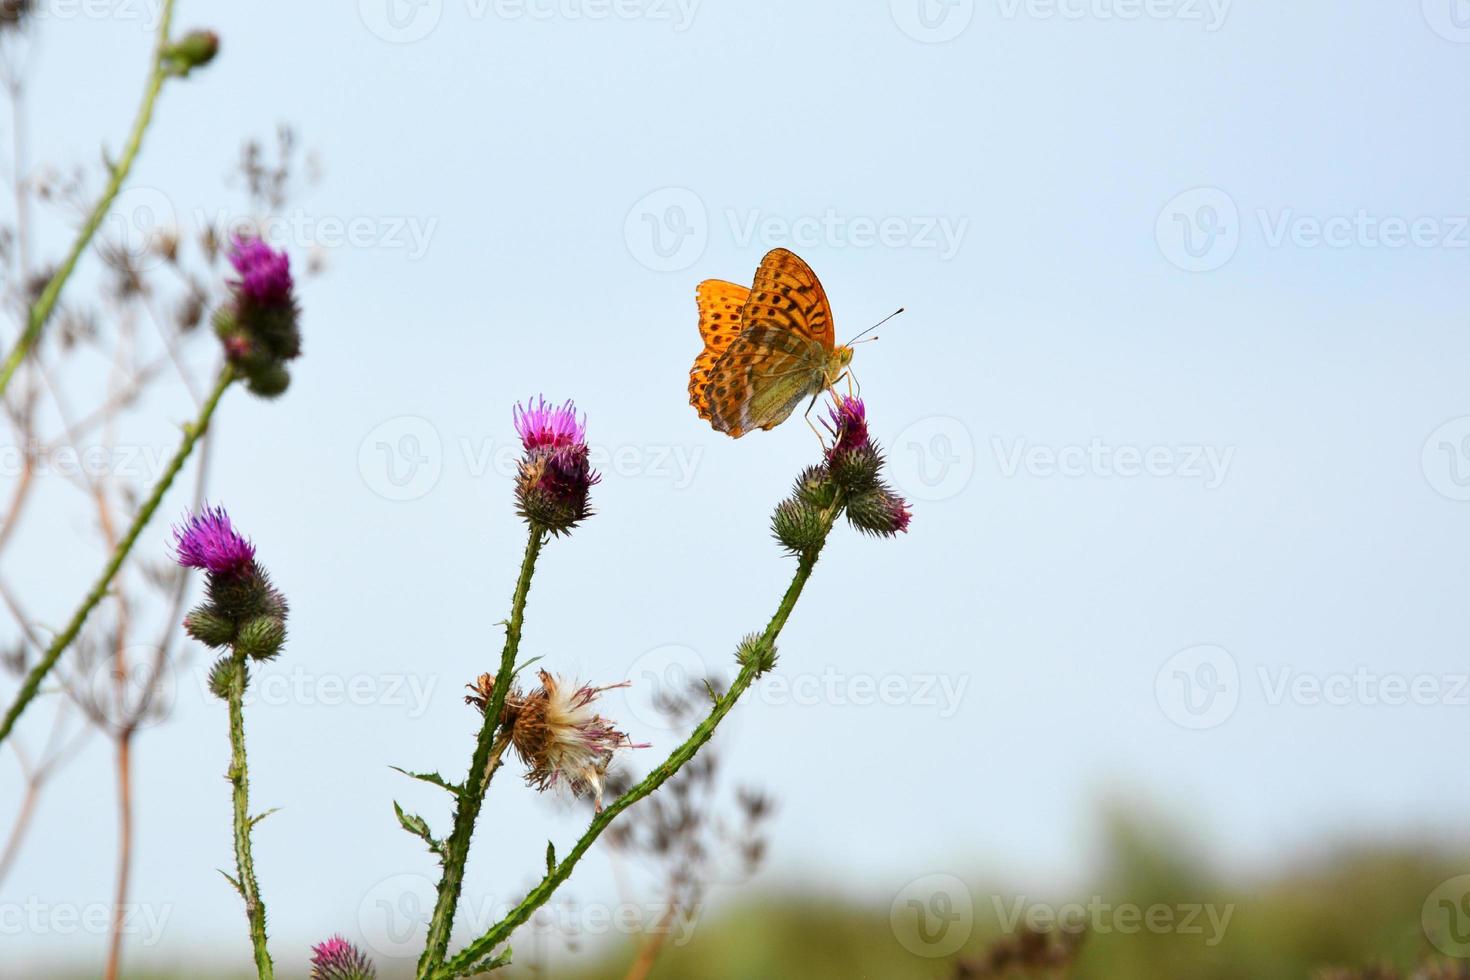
(761,379)
(787,294)
(720,322)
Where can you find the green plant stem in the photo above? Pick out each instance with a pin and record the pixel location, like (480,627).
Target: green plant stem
(45,304)
(239,776)
(482,764)
(192,433)
(475,953)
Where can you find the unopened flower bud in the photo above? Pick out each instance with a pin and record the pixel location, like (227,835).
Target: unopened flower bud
(205,624)
(194,50)
(879,511)
(222,677)
(797,525)
(260,638)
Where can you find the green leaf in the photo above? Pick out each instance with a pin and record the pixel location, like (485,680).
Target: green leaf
(419,827)
(487,964)
(550,859)
(261,816)
(433,778)
(233,883)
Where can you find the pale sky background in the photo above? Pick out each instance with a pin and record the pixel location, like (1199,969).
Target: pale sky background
(1305,516)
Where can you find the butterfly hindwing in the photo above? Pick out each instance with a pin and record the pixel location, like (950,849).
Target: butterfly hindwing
(761,378)
(720,324)
(787,294)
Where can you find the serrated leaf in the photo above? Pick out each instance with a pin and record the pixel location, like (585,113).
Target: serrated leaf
(261,816)
(432,778)
(419,827)
(488,964)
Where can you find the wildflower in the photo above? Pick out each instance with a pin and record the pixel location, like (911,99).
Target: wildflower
(337,959)
(208,541)
(258,327)
(243,609)
(849,425)
(555,474)
(879,511)
(557,734)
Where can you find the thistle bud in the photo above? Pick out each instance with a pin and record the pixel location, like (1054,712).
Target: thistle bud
(205,624)
(555,475)
(797,525)
(879,512)
(194,50)
(755,653)
(814,487)
(222,677)
(260,638)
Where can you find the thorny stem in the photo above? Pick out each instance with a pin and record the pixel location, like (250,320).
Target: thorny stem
(487,755)
(41,311)
(475,953)
(239,778)
(192,434)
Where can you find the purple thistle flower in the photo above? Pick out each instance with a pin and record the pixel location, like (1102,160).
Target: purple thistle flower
(265,274)
(545,425)
(555,474)
(207,540)
(337,959)
(849,425)
(899,514)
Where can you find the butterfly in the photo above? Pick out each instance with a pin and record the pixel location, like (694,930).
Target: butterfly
(766,348)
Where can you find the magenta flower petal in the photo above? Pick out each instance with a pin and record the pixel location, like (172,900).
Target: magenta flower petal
(265,274)
(208,541)
(849,425)
(337,959)
(540,424)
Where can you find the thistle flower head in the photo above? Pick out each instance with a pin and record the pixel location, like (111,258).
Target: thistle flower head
(541,424)
(558,735)
(337,959)
(265,274)
(555,475)
(849,425)
(258,327)
(209,541)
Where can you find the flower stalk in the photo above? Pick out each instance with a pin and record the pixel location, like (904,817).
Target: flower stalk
(239,777)
(474,956)
(192,434)
(45,305)
(489,748)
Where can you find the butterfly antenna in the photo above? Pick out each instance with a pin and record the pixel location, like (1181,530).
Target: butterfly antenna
(859,337)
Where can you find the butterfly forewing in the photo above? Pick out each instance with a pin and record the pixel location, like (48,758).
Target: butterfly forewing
(787,294)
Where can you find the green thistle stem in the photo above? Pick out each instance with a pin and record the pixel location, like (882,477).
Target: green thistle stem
(487,754)
(192,434)
(45,304)
(239,776)
(476,952)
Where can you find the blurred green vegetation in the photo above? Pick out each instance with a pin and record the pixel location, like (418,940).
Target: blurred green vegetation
(1351,907)
(1348,907)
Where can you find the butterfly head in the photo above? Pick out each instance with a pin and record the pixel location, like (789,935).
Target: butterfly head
(836,364)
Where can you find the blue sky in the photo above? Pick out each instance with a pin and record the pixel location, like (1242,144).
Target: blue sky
(1179,397)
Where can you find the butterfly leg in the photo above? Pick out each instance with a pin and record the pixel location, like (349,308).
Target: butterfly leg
(807,417)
